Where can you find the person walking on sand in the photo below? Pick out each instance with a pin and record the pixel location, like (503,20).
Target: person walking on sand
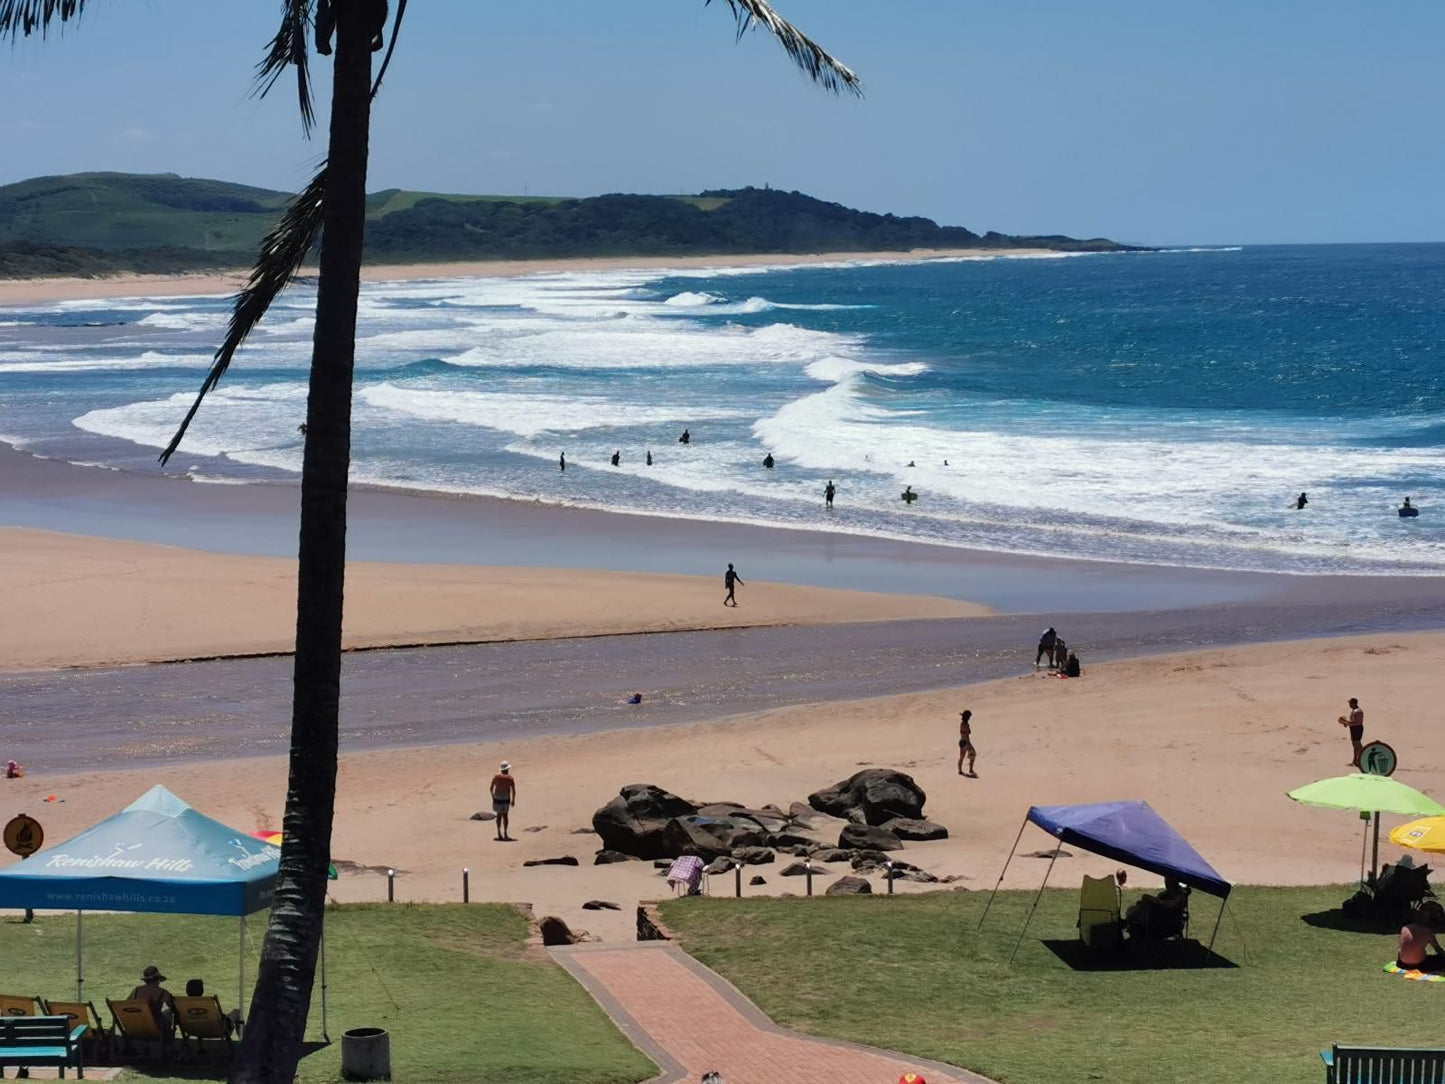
(504,797)
(965,744)
(829,492)
(1356,722)
(732,581)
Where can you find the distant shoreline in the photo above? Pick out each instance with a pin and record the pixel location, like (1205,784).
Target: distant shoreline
(41,291)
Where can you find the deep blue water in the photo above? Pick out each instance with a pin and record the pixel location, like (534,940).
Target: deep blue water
(1159,407)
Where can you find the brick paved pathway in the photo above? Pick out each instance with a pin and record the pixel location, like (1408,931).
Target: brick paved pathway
(690,1020)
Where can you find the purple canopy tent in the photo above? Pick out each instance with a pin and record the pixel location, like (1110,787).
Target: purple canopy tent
(1129,832)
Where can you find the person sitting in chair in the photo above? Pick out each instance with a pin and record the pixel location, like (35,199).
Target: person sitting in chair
(1162,915)
(197,988)
(161,1001)
(1417,938)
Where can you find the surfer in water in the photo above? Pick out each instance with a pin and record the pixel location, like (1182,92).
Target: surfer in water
(616,458)
(1407,509)
(829,492)
(1300,501)
(562,462)
(649,457)
(908,495)
(686,437)
(768,461)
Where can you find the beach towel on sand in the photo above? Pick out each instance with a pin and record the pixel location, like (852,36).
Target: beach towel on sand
(1392,968)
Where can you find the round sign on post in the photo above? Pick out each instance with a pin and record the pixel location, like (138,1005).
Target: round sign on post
(24,836)
(1377,758)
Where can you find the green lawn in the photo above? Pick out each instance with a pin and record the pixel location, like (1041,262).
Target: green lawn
(451,984)
(911,973)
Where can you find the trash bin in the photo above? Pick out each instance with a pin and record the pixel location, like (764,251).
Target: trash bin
(366,1054)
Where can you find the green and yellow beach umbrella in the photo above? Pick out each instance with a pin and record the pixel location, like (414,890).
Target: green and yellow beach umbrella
(1427,834)
(1372,794)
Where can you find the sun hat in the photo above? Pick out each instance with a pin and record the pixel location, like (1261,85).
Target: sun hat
(506,765)
(152,974)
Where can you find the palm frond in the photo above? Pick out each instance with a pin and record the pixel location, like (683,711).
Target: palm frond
(391,48)
(282,253)
(21,18)
(817,63)
(289,49)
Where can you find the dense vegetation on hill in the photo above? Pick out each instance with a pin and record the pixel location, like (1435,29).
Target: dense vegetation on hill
(99,223)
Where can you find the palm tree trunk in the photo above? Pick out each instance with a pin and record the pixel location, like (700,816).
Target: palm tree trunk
(271,1046)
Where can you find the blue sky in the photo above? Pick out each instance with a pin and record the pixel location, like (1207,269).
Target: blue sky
(1180,122)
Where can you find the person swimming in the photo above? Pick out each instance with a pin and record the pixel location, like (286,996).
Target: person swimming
(768,461)
(908,495)
(1302,500)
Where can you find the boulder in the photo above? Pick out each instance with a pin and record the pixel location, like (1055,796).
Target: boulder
(799,851)
(753,856)
(788,839)
(484,816)
(833,854)
(709,837)
(634,821)
(535,828)
(565,860)
(556,932)
(757,879)
(872,796)
(802,813)
(762,819)
(912,829)
(663,864)
(606,857)
(798,869)
(718,865)
(849,886)
(866,837)
(920,875)
(600,905)
(870,861)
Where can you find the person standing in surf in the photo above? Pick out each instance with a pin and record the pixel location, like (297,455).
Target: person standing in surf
(732,581)
(562,462)
(1300,501)
(829,492)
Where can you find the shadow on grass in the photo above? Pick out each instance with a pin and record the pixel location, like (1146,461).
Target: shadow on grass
(204,1066)
(1336,919)
(1177,956)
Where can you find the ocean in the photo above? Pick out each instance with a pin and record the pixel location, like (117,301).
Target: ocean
(1159,408)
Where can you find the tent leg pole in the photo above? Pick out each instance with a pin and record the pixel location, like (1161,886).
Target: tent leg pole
(241,972)
(1037,896)
(324,1033)
(1222,905)
(1001,872)
(1364,845)
(79,957)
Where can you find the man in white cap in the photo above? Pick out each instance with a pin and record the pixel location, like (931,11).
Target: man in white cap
(504,797)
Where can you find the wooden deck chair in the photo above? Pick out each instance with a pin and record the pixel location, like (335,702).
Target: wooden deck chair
(135,1022)
(14,1005)
(201,1018)
(97,1035)
(1099,913)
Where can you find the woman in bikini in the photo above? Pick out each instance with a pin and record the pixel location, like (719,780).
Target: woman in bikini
(965,744)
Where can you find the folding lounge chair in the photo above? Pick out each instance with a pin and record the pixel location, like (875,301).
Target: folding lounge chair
(1099,913)
(14,1005)
(135,1022)
(97,1036)
(201,1018)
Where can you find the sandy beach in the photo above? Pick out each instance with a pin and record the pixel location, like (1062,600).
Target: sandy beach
(40,291)
(1211,739)
(77,601)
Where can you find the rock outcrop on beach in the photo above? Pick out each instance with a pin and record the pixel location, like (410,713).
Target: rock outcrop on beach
(866,837)
(849,886)
(913,829)
(634,821)
(872,796)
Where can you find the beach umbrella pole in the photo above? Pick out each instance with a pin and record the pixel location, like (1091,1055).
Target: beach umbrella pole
(1037,896)
(1375,852)
(1001,872)
(241,972)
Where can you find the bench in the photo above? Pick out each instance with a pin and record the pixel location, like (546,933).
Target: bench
(41,1040)
(1383,1065)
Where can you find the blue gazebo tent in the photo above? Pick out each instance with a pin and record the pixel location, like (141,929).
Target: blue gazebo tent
(155,855)
(1129,832)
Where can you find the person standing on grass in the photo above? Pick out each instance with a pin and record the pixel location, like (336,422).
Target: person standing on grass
(965,744)
(504,797)
(732,581)
(1356,722)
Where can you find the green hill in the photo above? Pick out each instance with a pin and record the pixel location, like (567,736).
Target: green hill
(98,223)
